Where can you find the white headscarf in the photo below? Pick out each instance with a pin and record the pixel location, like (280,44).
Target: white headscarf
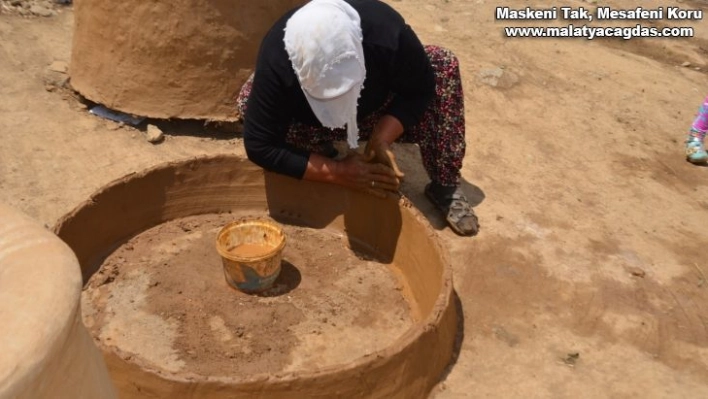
(323,40)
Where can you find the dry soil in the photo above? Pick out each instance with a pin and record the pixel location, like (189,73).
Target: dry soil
(588,279)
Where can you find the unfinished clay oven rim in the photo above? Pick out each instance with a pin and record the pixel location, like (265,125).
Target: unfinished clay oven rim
(404,342)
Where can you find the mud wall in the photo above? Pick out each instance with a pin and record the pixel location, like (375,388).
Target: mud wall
(393,229)
(46,351)
(169,59)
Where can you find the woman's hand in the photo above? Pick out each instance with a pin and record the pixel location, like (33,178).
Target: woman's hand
(379,151)
(356,171)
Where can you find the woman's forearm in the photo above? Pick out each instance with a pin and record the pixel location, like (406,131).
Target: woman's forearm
(387,130)
(321,168)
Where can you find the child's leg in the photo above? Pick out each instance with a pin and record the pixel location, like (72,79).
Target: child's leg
(695,150)
(700,124)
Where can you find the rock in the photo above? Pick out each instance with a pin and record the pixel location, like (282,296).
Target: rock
(571,359)
(154,134)
(637,272)
(686,64)
(42,11)
(498,77)
(59,66)
(16,3)
(58,80)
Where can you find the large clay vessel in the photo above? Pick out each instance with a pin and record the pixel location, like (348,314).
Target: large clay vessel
(45,349)
(182,59)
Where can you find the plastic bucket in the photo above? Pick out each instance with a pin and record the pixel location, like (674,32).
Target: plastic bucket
(251,251)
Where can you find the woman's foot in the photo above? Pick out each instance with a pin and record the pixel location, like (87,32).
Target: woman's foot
(454,205)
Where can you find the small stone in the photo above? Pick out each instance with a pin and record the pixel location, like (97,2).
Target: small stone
(686,64)
(637,272)
(42,11)
(58,80)
(16,3)
(498,77)
(571,359)
(154,134)
(59,66)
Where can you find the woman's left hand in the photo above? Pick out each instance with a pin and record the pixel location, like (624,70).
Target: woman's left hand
(379,151)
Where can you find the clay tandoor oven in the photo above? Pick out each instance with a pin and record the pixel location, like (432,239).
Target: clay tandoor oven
(392,229)
(169,59)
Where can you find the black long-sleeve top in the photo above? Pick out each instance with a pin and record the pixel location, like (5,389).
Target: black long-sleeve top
(396,63)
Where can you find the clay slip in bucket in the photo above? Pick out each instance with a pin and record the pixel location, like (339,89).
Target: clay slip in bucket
(252,251)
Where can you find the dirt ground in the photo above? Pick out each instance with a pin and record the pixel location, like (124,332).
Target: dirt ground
(588,278)
(161,297)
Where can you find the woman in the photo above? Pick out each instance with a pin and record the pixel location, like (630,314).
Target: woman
(355,63)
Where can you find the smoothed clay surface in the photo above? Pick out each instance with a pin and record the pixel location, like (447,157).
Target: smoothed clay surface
(162,300)
(45,349)
(169,59)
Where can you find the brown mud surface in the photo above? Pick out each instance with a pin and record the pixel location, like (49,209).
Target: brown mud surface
(162,299)
(589,276)
(251,250)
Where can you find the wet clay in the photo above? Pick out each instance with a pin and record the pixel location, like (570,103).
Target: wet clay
(179,59)
(162,298)
(251,250)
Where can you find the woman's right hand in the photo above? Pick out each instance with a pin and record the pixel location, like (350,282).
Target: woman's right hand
(375,178)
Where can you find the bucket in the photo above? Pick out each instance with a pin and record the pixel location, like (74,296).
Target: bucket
(251,251)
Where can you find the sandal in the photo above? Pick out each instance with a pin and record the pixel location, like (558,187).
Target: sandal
(454,205)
